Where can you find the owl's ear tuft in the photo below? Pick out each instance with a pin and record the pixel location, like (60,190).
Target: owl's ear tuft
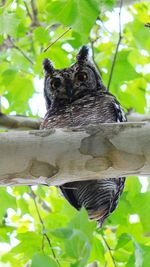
(83,53)
(48,66)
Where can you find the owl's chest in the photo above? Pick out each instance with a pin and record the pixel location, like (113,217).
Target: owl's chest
(82,112)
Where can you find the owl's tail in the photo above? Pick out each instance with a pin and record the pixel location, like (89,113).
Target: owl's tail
(99,197)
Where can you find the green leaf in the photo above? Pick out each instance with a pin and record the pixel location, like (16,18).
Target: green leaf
(8,76)
(7,201)
(123,69)
(86,16)
(81,222)
(63,11)
(146,255)
(19,90)
(131,261)
(139,33)
(123,240)
(79,14)
(98,251)
(23,247)
(40,260)
(62,232)
(41,35)
(78,248)
(142,203)
(5,232)
(133,187)
(8,24)
(136,99)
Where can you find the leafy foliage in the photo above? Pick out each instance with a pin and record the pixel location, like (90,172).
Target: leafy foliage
(37,226)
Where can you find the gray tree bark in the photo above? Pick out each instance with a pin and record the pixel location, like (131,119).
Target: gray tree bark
(62,155)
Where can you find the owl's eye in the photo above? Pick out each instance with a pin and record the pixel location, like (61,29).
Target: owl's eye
(55,83)
(81,76)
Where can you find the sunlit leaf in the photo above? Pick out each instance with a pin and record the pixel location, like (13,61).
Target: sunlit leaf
(43,260)
(8,24)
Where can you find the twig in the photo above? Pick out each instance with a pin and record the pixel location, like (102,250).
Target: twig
(93,54)
(3,2)
(17,48)
(109,249)
(21,51)
(57,39)
(117,47)
(103,25)
(28,11)
(35,20)
(43,228)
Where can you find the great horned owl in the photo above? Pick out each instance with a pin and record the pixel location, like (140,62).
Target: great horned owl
(76,96)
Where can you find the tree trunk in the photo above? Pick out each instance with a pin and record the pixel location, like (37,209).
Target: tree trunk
(62,155)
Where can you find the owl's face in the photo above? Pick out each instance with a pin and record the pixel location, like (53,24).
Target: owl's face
(69,84)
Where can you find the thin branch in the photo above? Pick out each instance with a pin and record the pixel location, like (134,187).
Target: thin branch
(28,11)
(117,47)
(35,20)
(6,44)
(3,2)
(103,25)
(17,48)
(43,227)
(93,54)
(57,39)
(20,50)
(109,250)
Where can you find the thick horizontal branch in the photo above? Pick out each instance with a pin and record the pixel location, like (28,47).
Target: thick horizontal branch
(62,155)
(19,122)
(26,123)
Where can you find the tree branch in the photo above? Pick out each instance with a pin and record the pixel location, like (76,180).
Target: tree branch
(28,11)
(19,122)
(117,47)
(20,50)
(33,195)
(35,20)
(3,2)
(109,250)
(57,156)
(57,39)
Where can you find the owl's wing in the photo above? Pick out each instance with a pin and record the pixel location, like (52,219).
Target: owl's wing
(119,112)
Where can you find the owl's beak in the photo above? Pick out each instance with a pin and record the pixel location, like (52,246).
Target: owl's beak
(69,89)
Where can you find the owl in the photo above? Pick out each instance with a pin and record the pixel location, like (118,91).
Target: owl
(76,96)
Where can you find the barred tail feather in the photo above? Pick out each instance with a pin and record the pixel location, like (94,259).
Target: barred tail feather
(99,197)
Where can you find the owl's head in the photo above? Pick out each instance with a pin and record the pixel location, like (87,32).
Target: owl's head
(67,85)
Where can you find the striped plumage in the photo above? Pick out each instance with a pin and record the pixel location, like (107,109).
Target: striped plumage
(76,96)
